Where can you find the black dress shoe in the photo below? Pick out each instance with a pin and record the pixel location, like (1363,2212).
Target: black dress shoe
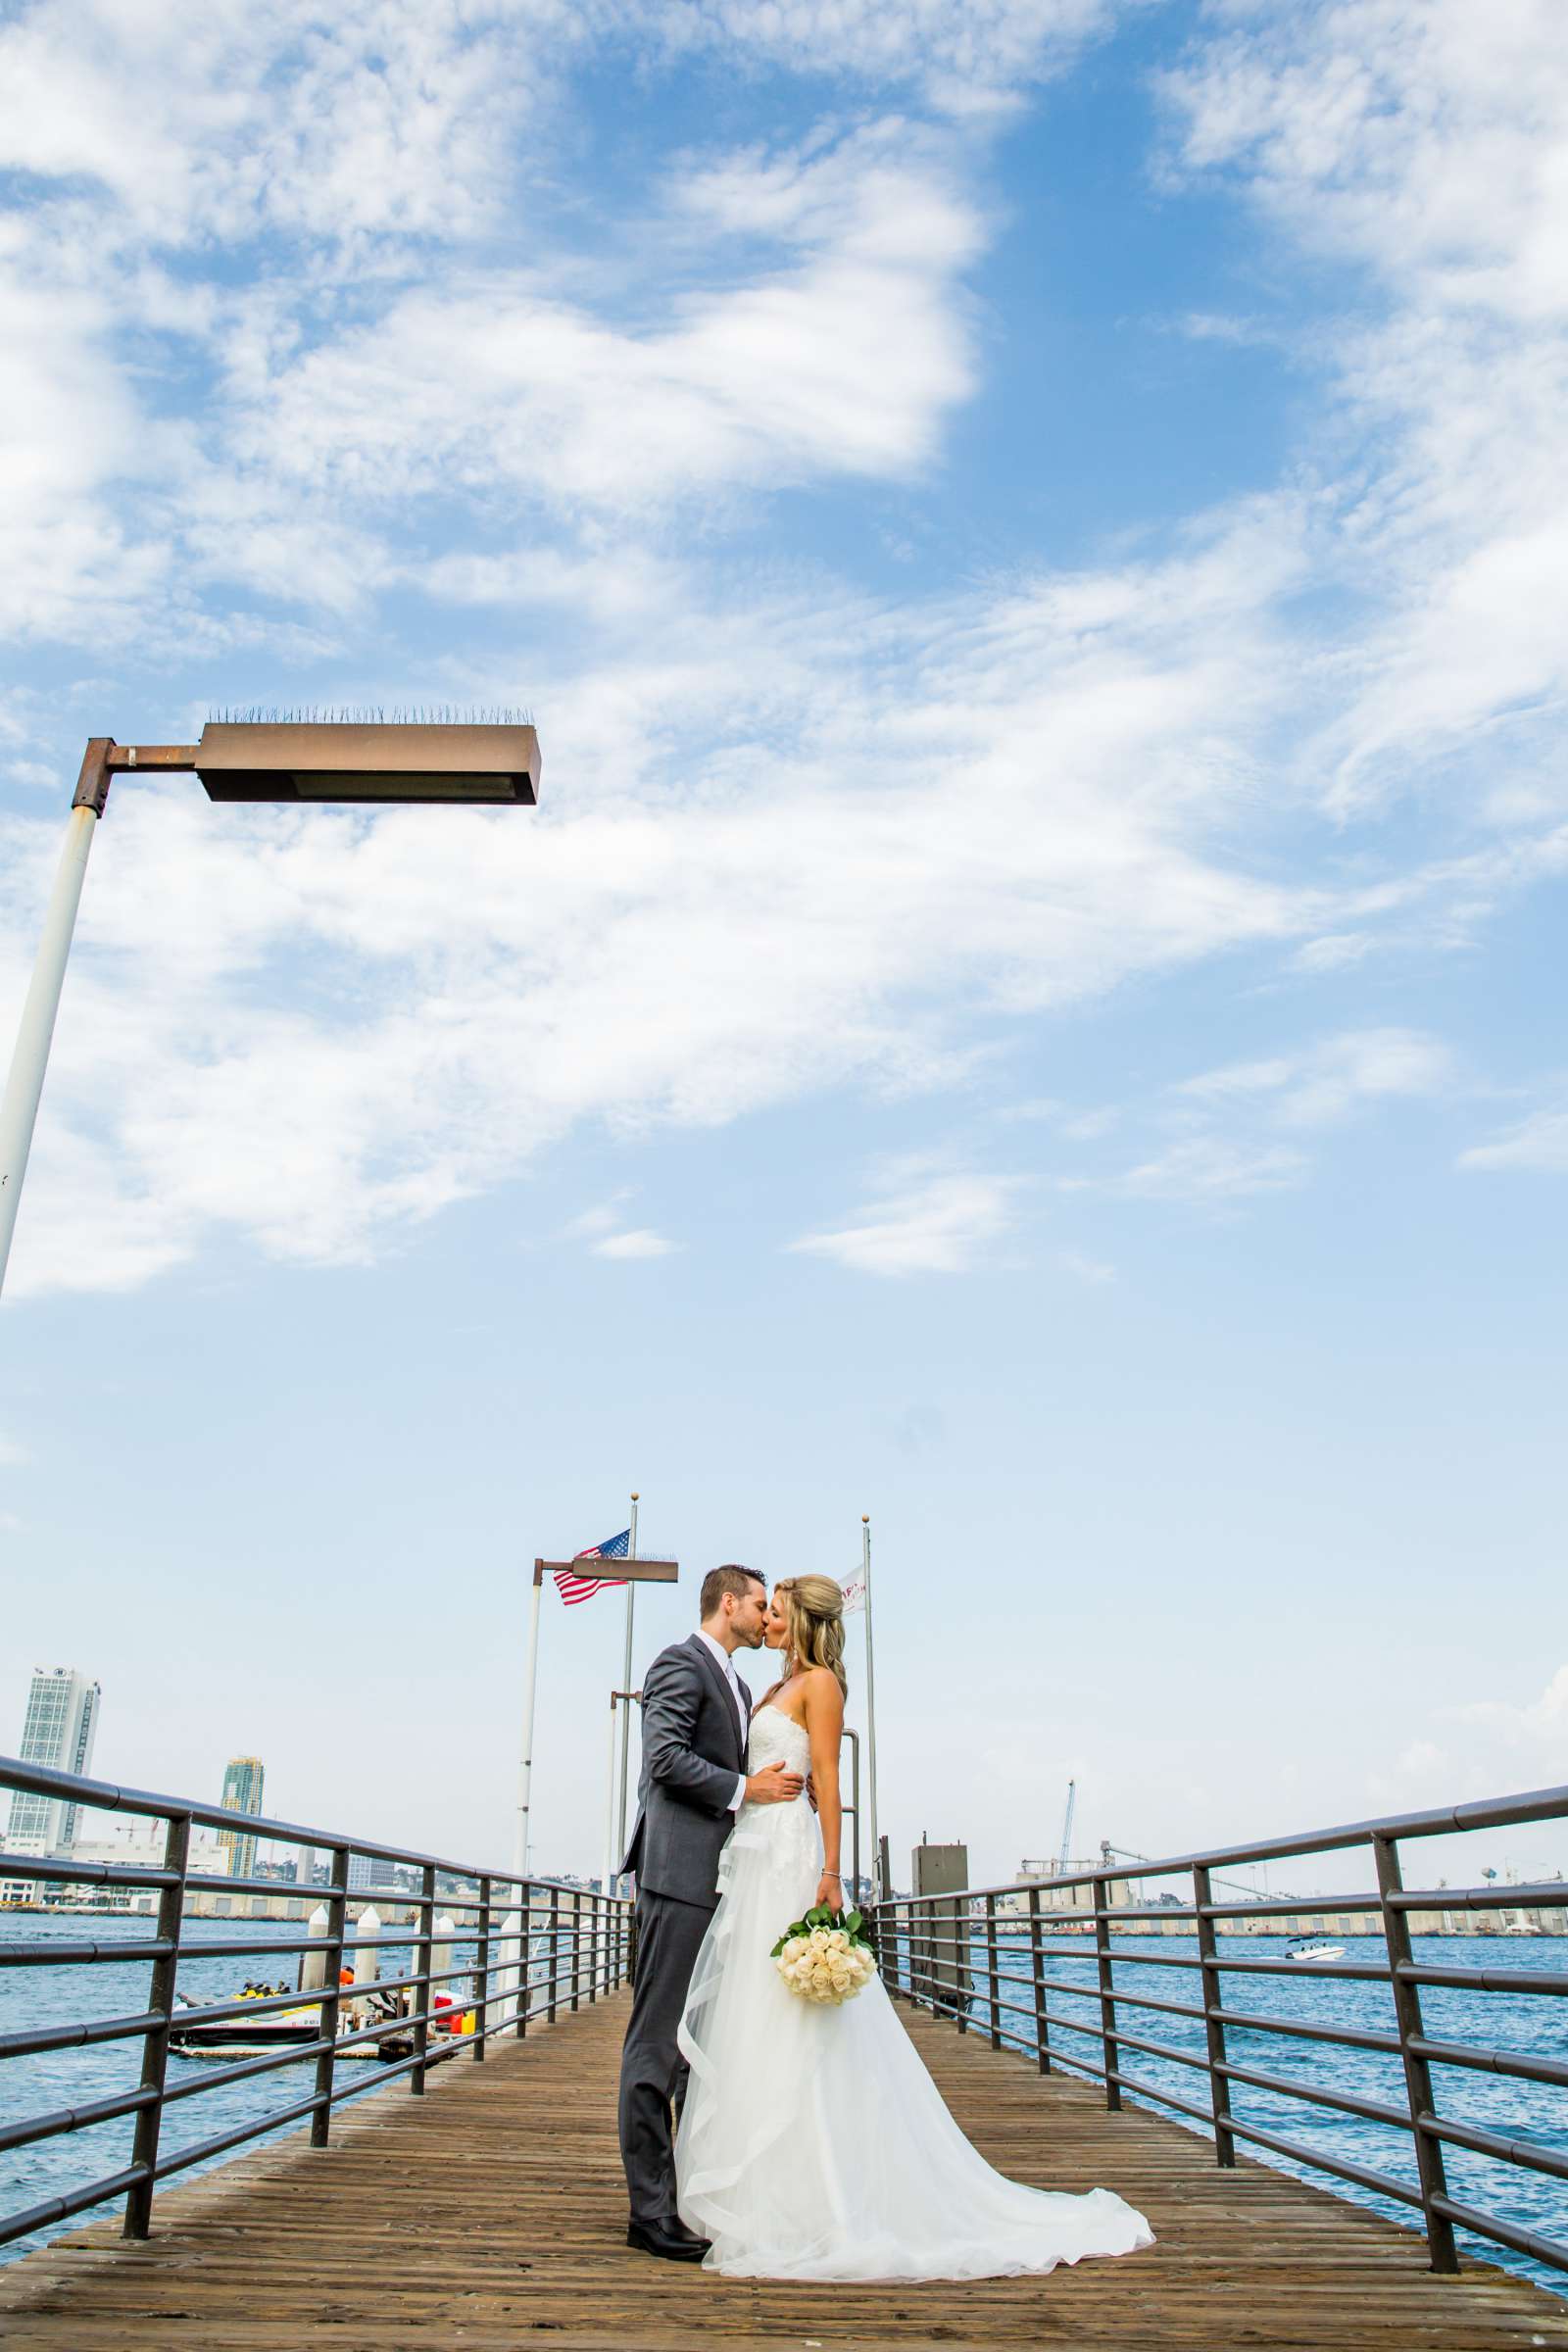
(667,2237)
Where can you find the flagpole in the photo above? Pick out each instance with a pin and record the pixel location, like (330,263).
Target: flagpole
(879,1890)
(611,1857)
(519,1835)
(625,1684)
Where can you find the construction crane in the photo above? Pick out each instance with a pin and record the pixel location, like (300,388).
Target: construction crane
(1109,1854)
(1066,1829)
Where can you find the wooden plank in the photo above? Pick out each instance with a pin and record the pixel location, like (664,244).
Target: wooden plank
(494,2210)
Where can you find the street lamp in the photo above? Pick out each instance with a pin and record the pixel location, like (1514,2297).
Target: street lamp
(367,765)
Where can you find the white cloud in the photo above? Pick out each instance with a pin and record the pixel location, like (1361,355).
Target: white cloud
(1537,1727)
(1429,149)
(932,1224)
(840,350)
(594,1222)
(1006,813)
(965,54)
(1226,1128)
(1538,1142)
(1335,952)
(1323,1085)
(1094,1270)
(1485,1749)
(1208,1167)
(12,1453)
(640,1242)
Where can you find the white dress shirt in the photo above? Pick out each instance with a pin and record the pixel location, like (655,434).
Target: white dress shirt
(743,1708)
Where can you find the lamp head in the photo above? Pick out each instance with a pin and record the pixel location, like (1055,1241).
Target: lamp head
(370,763)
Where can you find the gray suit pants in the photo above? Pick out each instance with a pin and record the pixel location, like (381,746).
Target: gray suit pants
(653,2071)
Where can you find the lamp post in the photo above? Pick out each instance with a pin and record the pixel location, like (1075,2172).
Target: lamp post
(334,760)
(883,1892)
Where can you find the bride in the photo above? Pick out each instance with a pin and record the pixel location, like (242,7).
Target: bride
(812,2142)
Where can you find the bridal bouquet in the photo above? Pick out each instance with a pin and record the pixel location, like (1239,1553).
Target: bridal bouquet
(826,1956)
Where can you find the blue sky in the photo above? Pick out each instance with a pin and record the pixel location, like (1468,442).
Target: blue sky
(1034,536)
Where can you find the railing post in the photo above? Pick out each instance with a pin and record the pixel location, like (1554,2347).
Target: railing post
(1037,1962)
(554,1948)
(593,1949)
(425,1995)
(337,1897)
(481,1973)
(1107,1993)
(889,1947)
(155,2047)
(1219,2089)
(960,1961)
(993,1973)
(525,1956)
(1430,2167)
(631,1942)
(576,1951)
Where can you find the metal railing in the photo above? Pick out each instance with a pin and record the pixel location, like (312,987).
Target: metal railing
(540,1948)
(955,1953)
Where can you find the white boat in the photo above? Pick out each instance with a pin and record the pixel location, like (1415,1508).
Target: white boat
(1316,1951)
(287,2028)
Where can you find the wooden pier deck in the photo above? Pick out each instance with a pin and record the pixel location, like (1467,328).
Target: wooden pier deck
(492,2213)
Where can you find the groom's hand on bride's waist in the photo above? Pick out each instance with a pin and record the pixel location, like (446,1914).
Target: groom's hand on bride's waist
(774,1785)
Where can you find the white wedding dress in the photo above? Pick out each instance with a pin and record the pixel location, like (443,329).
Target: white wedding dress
(813,2144)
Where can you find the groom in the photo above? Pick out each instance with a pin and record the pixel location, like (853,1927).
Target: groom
(696,1715)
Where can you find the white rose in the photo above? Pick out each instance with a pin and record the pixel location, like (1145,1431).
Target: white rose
(795,1947)
(820,1939)
(839,1938)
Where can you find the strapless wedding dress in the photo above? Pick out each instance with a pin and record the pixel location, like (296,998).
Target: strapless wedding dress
(813,2144)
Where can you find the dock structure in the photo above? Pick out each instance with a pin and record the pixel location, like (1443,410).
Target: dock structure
(492,2212)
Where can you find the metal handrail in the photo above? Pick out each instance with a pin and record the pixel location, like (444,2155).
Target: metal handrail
(570,1945)
(960,1956)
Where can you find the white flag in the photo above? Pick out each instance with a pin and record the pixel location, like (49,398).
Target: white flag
(853,1594)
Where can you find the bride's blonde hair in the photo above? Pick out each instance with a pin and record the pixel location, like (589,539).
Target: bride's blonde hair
(813,1625)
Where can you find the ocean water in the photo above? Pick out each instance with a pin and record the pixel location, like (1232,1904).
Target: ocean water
(1533,2022)
(47,1995)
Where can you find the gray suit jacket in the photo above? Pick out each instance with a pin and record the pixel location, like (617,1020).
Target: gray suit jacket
(693,1747)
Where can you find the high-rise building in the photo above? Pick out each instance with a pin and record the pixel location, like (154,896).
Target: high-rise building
(58,1731)
(242,1794)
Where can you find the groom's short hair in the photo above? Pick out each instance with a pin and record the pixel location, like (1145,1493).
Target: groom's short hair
(731,1578)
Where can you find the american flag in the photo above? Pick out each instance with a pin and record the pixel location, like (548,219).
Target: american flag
(573,1588)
